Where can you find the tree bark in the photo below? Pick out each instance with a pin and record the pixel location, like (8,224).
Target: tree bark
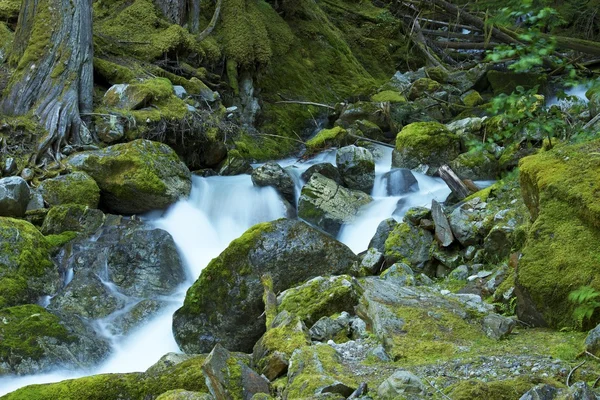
(53,53)
(454,183)
(176,10)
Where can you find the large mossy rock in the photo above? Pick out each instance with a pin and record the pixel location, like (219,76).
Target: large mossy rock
(14,196)
(75,188)
(272,174)
(328,205)
(26,271)
(136,177)
(225,304)
(480,165)
(560,188)
(357,167)
(428,143)
(409,244)
(35,340)
(183,374)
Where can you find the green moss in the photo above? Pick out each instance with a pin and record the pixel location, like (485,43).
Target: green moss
(262,148)
(424,137)
(388,96)
(422,86)
(320,297)
(21,329)
(55,241)
(113,73)
(6,37)
(507,82)
(326,138)
(437,74)
(76,188)
(185,375)
(500,390)
(9,10)
(472,99)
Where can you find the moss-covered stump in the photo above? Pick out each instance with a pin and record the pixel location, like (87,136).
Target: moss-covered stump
(225,304)
(185,375)
(35,340)
(428,143)
(135,177)
(26,272)
(320,297)
(507,82)
(560,188)
(74,188)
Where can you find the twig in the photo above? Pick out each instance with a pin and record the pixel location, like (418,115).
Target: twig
(592,121)
(573,370)
(438,390)
(306,103)
(591,355)
(283,137)
(372,141)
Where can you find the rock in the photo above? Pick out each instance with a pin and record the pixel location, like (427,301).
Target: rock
(560,189)
(580,391)
(138,315)
(320,297)
(357,168)
(466,126)
(234,164)
(472,99)
(14,197)
(479,165)
(498,327)
(468,222)
(592,341)
(328,205)
(9,167)
(180,394)
(362,110)
(225,304)
(372,261)
(325,138)
(422,86)
(136,177)
(314,372)
(26,271)
(499,242)
(74,188)
(134,96)
(384,229)
(540,392)
(450,259)
(460,273)
(369,129)
(325,169)
(180,91)
(271,174)
(36,201)
(112,127)
(35,340)
(74,218)
(271,354)
(443,233)
(27,174)
(427,143)
(400,274)
(415,215)
(401,383)
(408,244)
(400,181)
(328,328)
(229,378)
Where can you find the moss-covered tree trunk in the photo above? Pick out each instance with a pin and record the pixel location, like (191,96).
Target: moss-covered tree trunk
(53,80)
(174,10)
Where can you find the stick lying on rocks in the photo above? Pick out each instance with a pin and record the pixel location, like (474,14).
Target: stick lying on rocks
(454,183)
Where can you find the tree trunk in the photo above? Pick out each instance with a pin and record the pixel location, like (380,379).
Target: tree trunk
(176,10)
(53,53)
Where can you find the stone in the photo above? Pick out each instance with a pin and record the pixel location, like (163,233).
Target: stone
(480,165)
(328,205)
(137,176)
(540,392)
(111,127)
(460,273)
(73,218)
(443,233)
(408,244)
(14,197)
(327,328)
(234,164)
(372,261)
(325,169)
(428,143)
(384,229)
(9,167)
(499,242)
(415,215)
(498,327)
(357,168)
(362,110)
(229,378)
(423,86)
(27,174)
(400,181)
(180,394)
(401,274)
(74,188)
(180,91)
(225,304)
(272,174)
(472,98)
(400,383)
(469,222)
(592,341)
(129,97)
(466,126)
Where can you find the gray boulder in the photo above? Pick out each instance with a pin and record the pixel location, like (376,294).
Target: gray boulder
(328,205)
(225,304)
(592,341)
(357,167)
(384,229)
(400,181)
(372,261)
(409,244)
(14,197)
(325,169)
(443,233)
(498,327)
(540,392)
(137,176)
(401,383)
(271,174)
(469,223)
(75,188)
(479,165)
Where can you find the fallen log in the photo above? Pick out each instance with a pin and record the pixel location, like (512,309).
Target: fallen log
(454,183)
(467,45)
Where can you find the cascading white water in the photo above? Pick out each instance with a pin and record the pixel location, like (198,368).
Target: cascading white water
(219,210)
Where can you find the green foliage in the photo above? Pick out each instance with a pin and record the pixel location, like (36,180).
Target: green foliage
(586,299)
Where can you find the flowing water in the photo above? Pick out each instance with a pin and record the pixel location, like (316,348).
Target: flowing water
(219,210)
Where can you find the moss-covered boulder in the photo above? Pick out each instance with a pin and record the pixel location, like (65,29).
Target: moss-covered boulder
(423,86)
(135,177)
(388,96)
(72,218)
(134,96)
(320,297)
(184,374)
(26,271)
(428,143)
(328,205)
(472,99)
(480,390)
(181,394)
(35,340)
(357,168)
(408,244)
(475,165)
(225,304)
(272,174)
(75,188)
(333,137)
(507,82)
(560,188)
